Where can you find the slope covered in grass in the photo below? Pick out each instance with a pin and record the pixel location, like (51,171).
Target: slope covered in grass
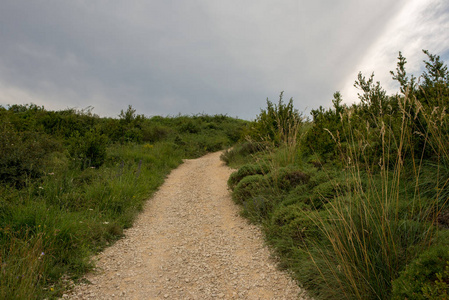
(355,201)
(70,182)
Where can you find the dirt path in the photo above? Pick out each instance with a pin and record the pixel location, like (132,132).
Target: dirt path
(189,243)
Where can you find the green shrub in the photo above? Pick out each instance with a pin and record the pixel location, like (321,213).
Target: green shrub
(89,150)
(299,187)
(67,192)
(278,123)
(426,277)
(233,180)
(189,126)
(213,144)
(288,178)
(322,194)
(295,222)
(155,133)
(246,170)
(257,208)
(23,155)
(300,194)
(377,192)
(248,187)
(241,153)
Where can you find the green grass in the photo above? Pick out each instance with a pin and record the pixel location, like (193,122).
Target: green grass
(72,214)
(367,220)
(346,234)
(53,221)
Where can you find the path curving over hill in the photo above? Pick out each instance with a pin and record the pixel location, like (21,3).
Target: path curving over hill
(189,243)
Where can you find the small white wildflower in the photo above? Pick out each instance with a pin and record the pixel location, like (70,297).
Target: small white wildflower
(106,223)
(51,173)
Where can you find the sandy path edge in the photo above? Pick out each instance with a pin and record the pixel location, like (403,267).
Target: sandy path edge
(189,243)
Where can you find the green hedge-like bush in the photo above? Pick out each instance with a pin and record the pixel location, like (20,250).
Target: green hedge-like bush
(246,170)
(89,150)
(288,178)
(155,133)
(427,277)
(248,188)
(244,150)
(295,221)
(23,154)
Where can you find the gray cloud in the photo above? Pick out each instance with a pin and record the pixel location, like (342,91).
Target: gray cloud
(419,25)
(170,57)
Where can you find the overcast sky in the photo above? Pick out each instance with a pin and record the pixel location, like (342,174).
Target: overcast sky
(166,57)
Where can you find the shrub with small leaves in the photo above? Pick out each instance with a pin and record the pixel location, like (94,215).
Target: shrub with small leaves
(427,277)
(296,222)
(246,170)
(23,154)
(88,151)
(248,187)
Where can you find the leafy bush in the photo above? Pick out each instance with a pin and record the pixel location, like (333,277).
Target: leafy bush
(89,150)
(295,222)
(246,170)
(426,277)
(278,123)
(155,133)
(327,125)
(322,194)
(58,207)
(23,154)
(377,191)
(258,207)
(288,178)
(190,126)
(248,187)
(240,153)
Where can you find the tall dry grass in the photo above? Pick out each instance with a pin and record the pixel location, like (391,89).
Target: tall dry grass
(373,232)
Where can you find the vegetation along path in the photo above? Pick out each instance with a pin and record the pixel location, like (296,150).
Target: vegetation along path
(189,243)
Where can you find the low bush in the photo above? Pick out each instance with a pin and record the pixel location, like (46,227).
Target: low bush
(426,277)
(322,194)
(71,182)
(88,150)
(23,154)
(189,126)
(258,207)
(295,222)
(155,133)
(368,185)
(248,187)
(246,170)
(241,153)
(287,178)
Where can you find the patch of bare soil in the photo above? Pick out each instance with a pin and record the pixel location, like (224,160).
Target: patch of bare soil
(189,243)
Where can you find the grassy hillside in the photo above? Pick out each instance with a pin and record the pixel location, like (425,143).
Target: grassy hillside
(70,182)
(355,200)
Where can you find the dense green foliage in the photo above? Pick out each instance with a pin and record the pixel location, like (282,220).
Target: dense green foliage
(357,206)
(70,182)
(277,123)
(355,201)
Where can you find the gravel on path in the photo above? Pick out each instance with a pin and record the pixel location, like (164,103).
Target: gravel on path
(189,243)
